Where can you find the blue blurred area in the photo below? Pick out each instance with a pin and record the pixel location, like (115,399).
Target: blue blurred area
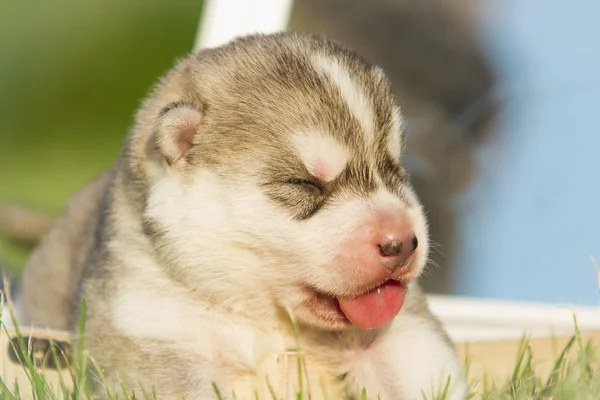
(533,221)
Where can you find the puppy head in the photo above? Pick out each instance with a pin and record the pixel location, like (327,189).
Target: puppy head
(276,179)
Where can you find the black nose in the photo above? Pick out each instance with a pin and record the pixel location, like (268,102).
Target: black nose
(391,248)
(395,247)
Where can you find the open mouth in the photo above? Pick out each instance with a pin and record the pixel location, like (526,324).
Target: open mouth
(370,310)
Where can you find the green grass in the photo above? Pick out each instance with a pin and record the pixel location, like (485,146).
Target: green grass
(72,75)
(571,377)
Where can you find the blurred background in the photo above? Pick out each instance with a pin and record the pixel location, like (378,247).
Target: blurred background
(500,100)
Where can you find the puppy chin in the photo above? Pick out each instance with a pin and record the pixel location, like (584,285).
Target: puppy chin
(307,306)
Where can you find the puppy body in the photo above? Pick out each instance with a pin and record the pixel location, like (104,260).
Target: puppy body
(259,213)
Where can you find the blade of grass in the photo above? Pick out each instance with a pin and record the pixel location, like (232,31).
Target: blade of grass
(271,389)
(59,365)
(6,392)
(39,386)
(80,384)
(558,366)
(583,360)
(216,390)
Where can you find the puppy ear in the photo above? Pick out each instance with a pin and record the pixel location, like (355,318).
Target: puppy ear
(176,127)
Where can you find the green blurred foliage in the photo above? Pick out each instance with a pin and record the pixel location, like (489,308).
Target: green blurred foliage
(72,74)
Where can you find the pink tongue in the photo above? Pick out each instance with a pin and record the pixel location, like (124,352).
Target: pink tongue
(376,308)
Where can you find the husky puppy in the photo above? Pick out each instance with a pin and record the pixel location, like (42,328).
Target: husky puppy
(259,213)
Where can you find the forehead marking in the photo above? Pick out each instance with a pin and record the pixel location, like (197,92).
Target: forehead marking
(351,93)
(323,156)
(394,138)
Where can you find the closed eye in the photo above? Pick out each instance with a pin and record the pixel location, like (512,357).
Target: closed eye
(312,185)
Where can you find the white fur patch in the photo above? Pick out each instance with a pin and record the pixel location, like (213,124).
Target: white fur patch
(149,305)
(394,135)
(383,369)
(358,103)
(170,190)
(323,156)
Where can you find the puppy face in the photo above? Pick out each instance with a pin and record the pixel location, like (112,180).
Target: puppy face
(279,183)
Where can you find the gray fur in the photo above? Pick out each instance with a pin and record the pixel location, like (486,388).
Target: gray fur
(228,110)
